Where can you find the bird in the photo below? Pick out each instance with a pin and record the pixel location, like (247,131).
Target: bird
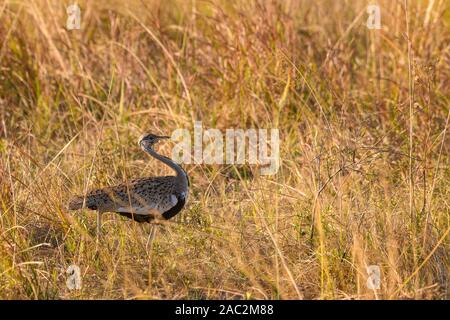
(150,199)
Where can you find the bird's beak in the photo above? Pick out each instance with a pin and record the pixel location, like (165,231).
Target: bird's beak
(163,137)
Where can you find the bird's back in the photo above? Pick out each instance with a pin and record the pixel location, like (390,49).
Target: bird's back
(139,196)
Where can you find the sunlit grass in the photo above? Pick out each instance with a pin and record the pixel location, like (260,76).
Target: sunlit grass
(73,103)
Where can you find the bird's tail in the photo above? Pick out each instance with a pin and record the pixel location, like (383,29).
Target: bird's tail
(79,202)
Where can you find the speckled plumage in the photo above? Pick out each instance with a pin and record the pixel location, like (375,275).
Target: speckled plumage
(146,196)
(144,199)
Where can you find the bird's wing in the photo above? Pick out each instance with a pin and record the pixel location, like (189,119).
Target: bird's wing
(167,202)
(139,195)
(180,199)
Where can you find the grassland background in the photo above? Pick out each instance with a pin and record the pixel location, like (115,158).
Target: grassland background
(363,118)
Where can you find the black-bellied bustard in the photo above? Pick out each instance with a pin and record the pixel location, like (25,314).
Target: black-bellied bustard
(143,200)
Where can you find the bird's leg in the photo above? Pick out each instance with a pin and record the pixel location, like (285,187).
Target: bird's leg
(99,225)
(152,235)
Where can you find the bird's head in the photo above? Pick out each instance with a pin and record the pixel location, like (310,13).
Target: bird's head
(147,140)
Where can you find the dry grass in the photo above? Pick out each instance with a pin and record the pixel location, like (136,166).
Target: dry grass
(363,118)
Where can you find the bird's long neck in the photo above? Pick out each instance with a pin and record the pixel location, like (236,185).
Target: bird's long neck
(180,173)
